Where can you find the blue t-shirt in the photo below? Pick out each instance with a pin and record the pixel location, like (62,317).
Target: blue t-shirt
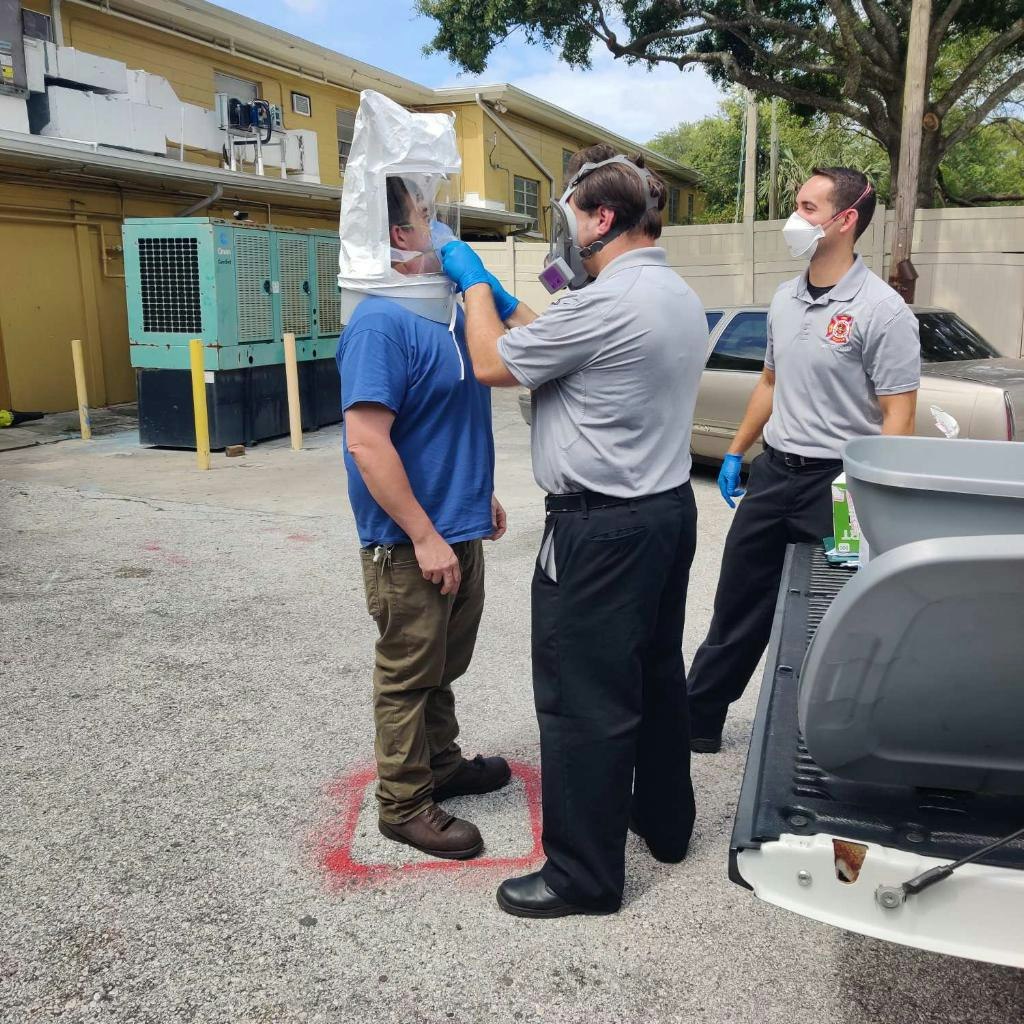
(442,428)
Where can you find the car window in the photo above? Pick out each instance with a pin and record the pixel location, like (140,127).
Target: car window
(742,344)
(945,338)
(713,315)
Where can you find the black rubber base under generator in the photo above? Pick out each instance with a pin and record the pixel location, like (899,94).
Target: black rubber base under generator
(244,406)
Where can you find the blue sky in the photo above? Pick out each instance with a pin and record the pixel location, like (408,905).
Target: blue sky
(390,34)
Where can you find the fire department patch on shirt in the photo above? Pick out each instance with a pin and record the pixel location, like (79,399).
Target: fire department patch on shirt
(839,327)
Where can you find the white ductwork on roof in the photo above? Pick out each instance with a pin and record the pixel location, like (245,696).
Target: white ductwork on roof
(82,97)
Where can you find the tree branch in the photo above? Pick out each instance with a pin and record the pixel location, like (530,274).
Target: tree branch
(982,111)
(940,27)
(974,69)
(885,27)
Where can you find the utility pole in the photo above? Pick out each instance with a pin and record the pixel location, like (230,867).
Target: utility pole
(902,275)
(750,162)
(773,164)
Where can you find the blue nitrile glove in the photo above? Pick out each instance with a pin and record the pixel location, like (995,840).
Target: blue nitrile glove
(729,479)
(463,266)
(504,302)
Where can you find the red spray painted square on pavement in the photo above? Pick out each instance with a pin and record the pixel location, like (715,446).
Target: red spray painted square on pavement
(339,856)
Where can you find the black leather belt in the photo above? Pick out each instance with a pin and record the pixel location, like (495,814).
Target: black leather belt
(585,501)
(582,501)
(793,461)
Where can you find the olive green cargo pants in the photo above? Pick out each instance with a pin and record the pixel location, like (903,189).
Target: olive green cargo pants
(426,642)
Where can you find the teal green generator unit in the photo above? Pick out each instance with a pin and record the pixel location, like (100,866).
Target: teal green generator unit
(237,288)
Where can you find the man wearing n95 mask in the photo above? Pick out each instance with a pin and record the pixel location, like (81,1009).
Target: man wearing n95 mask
(843,360)
(614,368)
(420,459)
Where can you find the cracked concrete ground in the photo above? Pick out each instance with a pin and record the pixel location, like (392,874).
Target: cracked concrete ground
(188,831)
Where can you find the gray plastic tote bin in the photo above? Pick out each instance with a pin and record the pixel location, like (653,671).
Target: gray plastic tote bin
(914,676)
(907,489)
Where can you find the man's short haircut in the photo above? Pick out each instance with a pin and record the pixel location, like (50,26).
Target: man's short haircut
(619,189)
(847,185)
(400,201)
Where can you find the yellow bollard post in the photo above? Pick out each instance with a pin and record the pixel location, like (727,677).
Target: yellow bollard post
(195,354)
(291,372)
(83,397)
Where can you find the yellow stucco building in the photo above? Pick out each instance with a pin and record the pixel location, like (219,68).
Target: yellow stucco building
(64,193)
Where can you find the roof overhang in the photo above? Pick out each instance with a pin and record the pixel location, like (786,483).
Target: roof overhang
(518,101)
(210,25)
(78,162)
(486,215)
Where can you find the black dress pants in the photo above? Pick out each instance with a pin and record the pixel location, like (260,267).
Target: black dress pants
(610,689)
(783,505)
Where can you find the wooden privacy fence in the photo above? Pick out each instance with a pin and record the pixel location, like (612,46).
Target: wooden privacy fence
(970,261)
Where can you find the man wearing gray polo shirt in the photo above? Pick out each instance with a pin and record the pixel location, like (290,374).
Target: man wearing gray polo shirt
(843,360)
(614,369)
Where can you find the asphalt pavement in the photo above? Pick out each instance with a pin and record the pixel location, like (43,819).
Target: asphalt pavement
(187,828)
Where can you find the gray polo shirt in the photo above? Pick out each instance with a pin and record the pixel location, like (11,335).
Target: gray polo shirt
(614,369)
(833,356)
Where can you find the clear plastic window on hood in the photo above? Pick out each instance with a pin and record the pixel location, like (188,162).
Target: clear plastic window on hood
(423,216)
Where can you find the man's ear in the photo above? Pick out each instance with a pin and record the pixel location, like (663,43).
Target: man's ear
(605,220)
(397,236)
(849,222)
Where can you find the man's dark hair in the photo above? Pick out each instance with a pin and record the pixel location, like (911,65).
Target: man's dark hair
(400,201)
(847,186)
(619,189)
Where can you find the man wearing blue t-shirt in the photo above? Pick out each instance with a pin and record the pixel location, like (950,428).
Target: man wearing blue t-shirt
(420,459)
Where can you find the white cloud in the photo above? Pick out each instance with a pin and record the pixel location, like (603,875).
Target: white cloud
(627,100)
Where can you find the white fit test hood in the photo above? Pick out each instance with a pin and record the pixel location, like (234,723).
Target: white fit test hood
(420,156)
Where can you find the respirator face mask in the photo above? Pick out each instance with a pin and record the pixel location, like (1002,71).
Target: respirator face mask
(563,266)
(802,237)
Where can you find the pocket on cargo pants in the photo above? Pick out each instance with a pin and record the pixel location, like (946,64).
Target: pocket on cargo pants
(371,583)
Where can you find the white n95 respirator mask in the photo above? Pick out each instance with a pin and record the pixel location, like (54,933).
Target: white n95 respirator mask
(563,266)
(802,237)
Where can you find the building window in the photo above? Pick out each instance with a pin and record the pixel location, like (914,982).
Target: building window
(302,104)
(346,126)
(236,88)
(567,155)
(689,208)
(36,26)
(526,198)
(673,206)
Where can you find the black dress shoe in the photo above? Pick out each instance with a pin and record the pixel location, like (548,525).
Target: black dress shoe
(530,896)
(660,853)
(705,744)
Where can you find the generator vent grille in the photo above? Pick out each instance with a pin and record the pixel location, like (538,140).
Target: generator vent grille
(327,252)
(169,281)
(252,270)
(295,313)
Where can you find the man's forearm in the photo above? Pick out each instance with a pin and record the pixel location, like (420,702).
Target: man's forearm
(522,316)
(483,331)
(384,475)
(899,413)
(759,411)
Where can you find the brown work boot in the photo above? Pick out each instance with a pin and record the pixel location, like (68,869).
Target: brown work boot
(481,775)
(438,833)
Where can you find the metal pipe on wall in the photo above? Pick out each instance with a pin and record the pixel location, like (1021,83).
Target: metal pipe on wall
(202,204)
(518,143)
(56,24)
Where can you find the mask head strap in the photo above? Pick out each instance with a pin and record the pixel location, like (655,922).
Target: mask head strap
(587,169)
(853,205)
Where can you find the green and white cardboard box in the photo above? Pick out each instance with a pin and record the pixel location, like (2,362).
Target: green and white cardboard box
(844,519)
